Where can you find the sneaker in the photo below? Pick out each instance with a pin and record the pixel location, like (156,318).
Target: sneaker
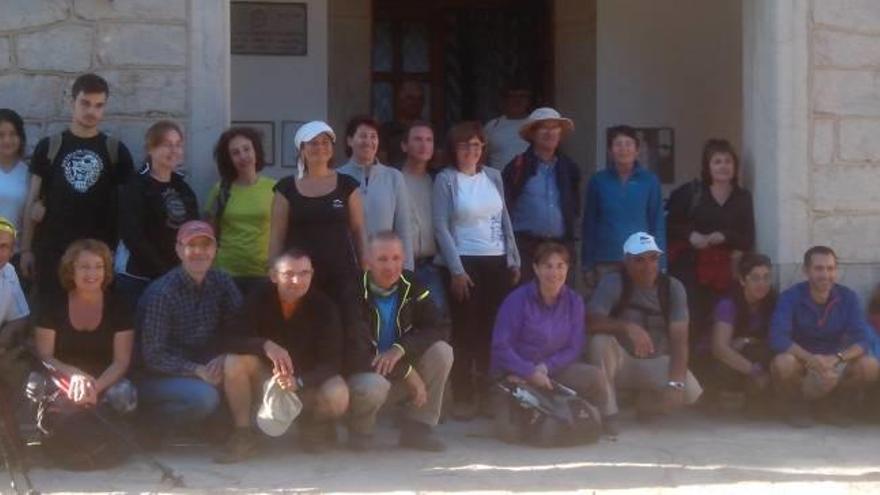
(360,442)
(611,425)
(420,436)
(464,411)
(242,444)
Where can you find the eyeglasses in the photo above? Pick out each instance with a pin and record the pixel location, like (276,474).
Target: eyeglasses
(290,274)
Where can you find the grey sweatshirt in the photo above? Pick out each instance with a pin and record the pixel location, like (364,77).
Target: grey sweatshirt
(445,194)
(386,203)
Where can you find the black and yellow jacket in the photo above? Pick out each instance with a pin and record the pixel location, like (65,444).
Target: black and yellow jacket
(419,324)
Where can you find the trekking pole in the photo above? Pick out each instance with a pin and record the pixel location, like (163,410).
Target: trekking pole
(168,474)
(10,447)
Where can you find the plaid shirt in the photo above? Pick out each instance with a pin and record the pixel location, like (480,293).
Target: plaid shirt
(180,323)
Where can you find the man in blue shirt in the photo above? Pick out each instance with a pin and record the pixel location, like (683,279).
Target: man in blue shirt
(542,187)
(820,336)
(622,199)
(395,350)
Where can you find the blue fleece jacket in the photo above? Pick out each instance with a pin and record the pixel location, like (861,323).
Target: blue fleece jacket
(826,329)
(614,210)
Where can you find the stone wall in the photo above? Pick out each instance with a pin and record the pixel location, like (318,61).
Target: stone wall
(140,46)
(844,117)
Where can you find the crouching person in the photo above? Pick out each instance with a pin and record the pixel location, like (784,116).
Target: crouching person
(296,337)
(820,336)
(539,337)
(179,321)
(396,351)
(84,338)
(639,321)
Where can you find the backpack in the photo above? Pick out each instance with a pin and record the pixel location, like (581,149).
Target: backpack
(55,141)
(549,418)
(74,437)
(663,295)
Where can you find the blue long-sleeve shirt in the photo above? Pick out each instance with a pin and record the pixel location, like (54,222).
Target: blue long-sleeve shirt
(614,210)
(820,329)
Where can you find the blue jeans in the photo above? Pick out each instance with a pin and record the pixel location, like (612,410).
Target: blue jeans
(175,401)
(429,274)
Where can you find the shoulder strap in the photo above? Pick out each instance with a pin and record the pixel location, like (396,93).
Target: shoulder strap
(112,144)
(664,291)
(626,290)
(54,147)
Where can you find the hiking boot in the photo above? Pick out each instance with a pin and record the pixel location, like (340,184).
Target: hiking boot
(317,438)
(420,436)
(464,411)
(829,410)
(611,425)
(797,414)
(360,442)
(243,444)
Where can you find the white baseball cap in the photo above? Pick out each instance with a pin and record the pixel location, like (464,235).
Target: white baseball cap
(640,243)
(306,133)
(278,409)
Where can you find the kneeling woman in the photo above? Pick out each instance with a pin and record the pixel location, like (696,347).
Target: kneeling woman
(87,333)
(739,332)
(540,334)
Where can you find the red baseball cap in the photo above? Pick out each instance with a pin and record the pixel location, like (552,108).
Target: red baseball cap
(195,228)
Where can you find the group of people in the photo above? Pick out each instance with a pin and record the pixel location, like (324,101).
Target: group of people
(355,287)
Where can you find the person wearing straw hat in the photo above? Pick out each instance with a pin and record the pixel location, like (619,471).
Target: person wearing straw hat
(320,211)
(295,341)
(542,187)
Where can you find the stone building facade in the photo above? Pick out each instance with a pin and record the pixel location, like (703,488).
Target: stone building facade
(808,120)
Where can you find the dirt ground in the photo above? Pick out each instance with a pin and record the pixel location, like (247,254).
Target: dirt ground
(684,454)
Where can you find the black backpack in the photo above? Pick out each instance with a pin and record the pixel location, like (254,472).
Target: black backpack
(549,418)
(74,437)
(663,295)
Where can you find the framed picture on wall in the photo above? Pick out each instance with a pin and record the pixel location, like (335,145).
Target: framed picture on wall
(656,151)
(267,131)
(289,153)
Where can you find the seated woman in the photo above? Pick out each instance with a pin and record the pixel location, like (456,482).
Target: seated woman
(87,334)
(540,334)
(739,333)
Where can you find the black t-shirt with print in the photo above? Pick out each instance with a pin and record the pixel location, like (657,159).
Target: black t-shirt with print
(89,350)
(150,212)
(79,190)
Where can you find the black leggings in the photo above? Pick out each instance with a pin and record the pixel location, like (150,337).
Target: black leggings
(472,323)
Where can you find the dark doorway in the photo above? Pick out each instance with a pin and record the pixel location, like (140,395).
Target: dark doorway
(462,52)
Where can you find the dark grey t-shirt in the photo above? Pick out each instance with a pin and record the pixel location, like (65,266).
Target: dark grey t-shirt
(643,309)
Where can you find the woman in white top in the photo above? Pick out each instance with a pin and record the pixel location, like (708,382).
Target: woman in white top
(476,243)
(14,174)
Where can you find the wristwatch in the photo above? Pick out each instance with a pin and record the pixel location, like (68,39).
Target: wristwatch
(675,385)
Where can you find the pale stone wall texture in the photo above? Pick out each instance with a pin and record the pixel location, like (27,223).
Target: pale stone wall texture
(845,135)
(140,46)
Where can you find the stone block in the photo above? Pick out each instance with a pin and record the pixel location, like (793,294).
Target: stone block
(66,48)
(848,188)
(854,237)
(846,50)
(132,134)
(862,15)
(5,53)
(172,10)
(860,140)
(851,92)
(34,132)
(145,92)
(31,13)
(33,96)
(142,44)
(823,141)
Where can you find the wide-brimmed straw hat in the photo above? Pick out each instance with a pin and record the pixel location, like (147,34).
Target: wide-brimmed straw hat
(544,114)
